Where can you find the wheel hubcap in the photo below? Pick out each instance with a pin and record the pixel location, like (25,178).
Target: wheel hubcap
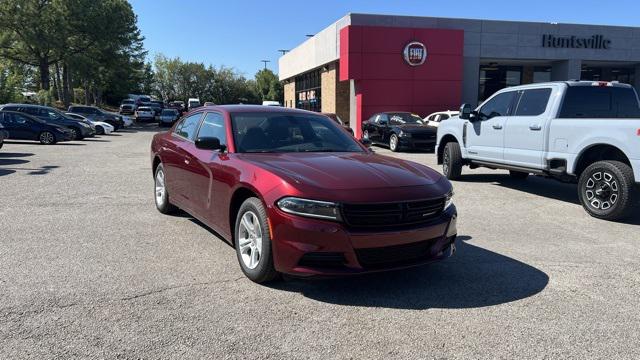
(47,138)
(160,188)
(445,161)
(394,142)
(250,240)
(601,190)
(365,134)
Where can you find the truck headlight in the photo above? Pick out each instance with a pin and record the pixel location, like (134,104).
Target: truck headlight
(449,200)
(404,134)
(310,208)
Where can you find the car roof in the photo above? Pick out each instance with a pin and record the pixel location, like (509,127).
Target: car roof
(241,108)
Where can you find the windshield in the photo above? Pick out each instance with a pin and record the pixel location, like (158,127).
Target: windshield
(127,102)
(169,112)
(404,118)
(271,132)
(144,109)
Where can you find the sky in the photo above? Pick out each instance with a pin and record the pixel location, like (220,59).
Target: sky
(239,34)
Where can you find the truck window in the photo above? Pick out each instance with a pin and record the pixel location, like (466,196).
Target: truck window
(600,102)
(499,105)
(533,102)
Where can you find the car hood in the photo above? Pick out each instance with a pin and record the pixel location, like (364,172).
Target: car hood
(344,171)
(410,128)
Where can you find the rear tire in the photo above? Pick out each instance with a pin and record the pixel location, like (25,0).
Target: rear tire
(607,190)
(452,161)
(253,242)
(161,195)
(47,138)
(518,174)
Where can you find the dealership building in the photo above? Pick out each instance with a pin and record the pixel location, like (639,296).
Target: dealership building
(363,64)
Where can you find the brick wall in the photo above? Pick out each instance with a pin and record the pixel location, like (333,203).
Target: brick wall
(290,94)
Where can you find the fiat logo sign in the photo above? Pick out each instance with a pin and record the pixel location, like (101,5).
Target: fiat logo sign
(415,53)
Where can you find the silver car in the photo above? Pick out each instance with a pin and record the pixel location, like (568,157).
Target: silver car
(168,117)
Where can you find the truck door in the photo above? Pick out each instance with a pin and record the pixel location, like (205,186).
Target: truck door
(485,133)
(524,142)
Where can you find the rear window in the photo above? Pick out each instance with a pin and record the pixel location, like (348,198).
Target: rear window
(144,108)
(600,102)
(533,102)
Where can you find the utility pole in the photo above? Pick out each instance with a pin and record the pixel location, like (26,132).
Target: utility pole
(265,63)
(283,51)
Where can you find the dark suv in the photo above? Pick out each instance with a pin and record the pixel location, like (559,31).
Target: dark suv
(97,114)
(80,129)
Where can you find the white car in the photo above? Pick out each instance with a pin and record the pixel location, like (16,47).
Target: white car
(127,121)
(271,103)
(145,113)
(102,128)
(435,118)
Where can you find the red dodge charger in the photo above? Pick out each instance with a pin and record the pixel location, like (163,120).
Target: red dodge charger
(296,194)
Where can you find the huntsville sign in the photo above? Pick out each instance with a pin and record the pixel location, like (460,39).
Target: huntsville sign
(574,42)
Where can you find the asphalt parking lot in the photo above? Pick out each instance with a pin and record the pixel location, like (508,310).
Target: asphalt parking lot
(90,269)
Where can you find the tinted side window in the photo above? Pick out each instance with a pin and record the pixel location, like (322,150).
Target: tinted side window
(533,102)
(586,102)
(625,102)
(213,126)
(187,129)
(31,111)
(497,106)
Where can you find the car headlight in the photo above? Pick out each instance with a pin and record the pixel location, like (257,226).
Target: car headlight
(449,200)
(310,208)
(405,134)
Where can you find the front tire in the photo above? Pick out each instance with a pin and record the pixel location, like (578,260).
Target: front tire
(452,161)
(75,133)
(253,242)
(47,138)
(393,143)
(161,195)
(607,190)
(99,130)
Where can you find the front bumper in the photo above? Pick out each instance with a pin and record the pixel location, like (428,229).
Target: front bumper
(308,247)
(412,143)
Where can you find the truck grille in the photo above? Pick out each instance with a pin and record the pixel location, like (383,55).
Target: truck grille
(392,214)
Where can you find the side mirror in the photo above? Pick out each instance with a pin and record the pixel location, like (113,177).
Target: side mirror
(365,142)
(465,111)
(209,143)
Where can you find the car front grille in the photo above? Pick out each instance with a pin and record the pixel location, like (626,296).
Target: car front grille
(384,215)
(397,255)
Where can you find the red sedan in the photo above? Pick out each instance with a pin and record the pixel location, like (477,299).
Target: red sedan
(295,194)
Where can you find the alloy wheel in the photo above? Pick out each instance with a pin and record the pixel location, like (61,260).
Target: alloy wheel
(47,138)
(393,143)
(250,239)
(602,190)
(446,158)
(161,192)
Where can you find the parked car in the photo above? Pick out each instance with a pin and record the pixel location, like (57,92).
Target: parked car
(193,103)
(156,106)
(337,119)
(576,131)
(3,135)
(145,113)
(22,126)
(79,128)
(168,116)
(127,107)
(209,103)
(399,130)
(296,194)
(178,105)
(271,103)
(435,118)
(97,114)
(142,100)
(102,128)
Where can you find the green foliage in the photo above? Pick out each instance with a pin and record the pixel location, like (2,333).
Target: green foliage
(268,86)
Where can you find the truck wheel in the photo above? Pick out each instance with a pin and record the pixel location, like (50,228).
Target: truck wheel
(607,190)
(452,161)
(518,174)
(393,143)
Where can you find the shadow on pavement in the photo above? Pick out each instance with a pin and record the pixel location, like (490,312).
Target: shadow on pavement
(17,142)
(473,277)
(534,185)
(4,155)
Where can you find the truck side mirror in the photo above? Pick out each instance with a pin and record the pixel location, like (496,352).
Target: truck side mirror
(465,111)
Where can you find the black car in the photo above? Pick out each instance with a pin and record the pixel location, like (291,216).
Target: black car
(3,135)
(156,106)
(80,129)
(97,114)
(399,130)
(22,126)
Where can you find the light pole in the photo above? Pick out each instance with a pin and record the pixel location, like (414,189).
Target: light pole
(283,51)
(265,63)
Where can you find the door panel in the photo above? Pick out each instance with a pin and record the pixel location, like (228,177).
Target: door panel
(525,129)
(485,135)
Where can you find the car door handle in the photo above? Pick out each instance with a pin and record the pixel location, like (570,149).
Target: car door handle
(497,126)
(535,127)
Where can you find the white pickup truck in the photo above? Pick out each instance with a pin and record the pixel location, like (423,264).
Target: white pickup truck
(575,131)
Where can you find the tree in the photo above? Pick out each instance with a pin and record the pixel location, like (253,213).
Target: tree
(268,86)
